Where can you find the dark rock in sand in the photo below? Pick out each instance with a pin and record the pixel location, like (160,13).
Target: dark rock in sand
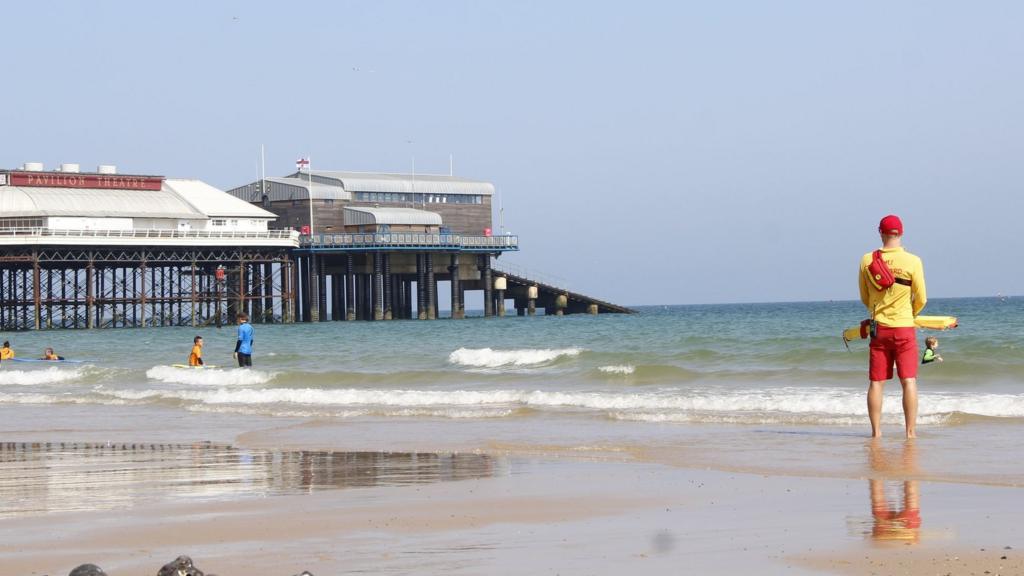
(304,573)
(88,570)
(181,566)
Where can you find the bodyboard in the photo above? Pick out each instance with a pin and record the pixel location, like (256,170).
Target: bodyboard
(929,322)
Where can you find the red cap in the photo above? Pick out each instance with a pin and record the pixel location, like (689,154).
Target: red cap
(891,224)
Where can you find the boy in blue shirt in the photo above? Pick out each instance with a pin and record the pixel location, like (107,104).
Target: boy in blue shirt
(243,347)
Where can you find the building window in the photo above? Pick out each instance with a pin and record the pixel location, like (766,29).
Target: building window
(21,222)
(328,201)
(218,222)
(234,223)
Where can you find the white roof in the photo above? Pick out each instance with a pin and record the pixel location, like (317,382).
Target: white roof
(361,216)
(214,202)
(284,189)
(179,199)
(21,201)
(407,183)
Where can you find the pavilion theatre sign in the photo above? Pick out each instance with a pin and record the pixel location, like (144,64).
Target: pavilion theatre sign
(75,180)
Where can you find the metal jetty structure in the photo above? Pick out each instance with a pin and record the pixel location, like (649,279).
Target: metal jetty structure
(104,249)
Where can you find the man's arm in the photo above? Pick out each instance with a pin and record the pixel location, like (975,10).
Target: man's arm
(919,293)
(863,283)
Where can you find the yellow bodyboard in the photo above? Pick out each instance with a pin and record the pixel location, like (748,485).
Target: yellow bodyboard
(929,322)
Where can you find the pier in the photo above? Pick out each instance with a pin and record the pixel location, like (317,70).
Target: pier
(106,250)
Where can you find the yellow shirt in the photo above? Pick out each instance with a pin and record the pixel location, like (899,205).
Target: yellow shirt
(6,353)
(896,306)
(197,353)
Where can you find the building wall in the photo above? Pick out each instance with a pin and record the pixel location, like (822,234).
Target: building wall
(82,223)
(233,224)
(468,219)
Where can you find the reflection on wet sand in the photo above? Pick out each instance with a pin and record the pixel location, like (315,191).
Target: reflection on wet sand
(54,477)
(894,519)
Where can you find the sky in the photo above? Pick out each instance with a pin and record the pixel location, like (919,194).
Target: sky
(644,152)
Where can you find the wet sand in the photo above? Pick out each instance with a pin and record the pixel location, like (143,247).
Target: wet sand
(131,489)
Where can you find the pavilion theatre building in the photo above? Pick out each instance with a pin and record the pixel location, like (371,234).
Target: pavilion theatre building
(105,249)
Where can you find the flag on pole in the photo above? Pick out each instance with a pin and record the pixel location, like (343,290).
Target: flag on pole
(302,163)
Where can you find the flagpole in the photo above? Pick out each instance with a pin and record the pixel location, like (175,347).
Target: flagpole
(263,174)
(309,169)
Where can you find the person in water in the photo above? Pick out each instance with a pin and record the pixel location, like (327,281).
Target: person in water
(196,357)
(931,344)
(6,353)
(893,309)
(243,347)
(48,354)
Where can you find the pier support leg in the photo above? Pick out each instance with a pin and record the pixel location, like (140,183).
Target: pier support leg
(256,290)
(304,273)
(421,291)
(242,291)
(388,293)
(488,282)
(314,284)
(140,294)
(350,288)
(407,299)
(453,269)
(377,280)
(192,300)
(592,309)
(431,286)
(321,283)
(90,294)
(499,302)
(268,292)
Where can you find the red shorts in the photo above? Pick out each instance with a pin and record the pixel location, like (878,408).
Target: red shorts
(893,346)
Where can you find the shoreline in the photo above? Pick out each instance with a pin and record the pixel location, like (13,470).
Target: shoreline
(271,496)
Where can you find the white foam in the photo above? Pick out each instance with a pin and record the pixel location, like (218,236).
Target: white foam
(769,418)
(490,358)
(624,369)
(208,376)
(814,404)
(56,399)
(49,375)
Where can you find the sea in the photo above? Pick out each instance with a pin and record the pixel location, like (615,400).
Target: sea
(693,365)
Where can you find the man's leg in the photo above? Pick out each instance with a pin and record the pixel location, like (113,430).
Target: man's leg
(910,405)
(875,407)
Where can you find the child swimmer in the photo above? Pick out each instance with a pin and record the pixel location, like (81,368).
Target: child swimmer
(931,344)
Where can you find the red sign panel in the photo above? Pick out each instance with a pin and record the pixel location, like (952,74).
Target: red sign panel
(75,180)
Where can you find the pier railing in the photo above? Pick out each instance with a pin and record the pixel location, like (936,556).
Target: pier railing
(533,275)
(156,235)
(409,241)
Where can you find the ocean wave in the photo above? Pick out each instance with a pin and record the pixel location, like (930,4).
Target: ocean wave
(622,369)
(209,377)
(320,412)
(50,375)
(490,358)
(35,398)
(819,402)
